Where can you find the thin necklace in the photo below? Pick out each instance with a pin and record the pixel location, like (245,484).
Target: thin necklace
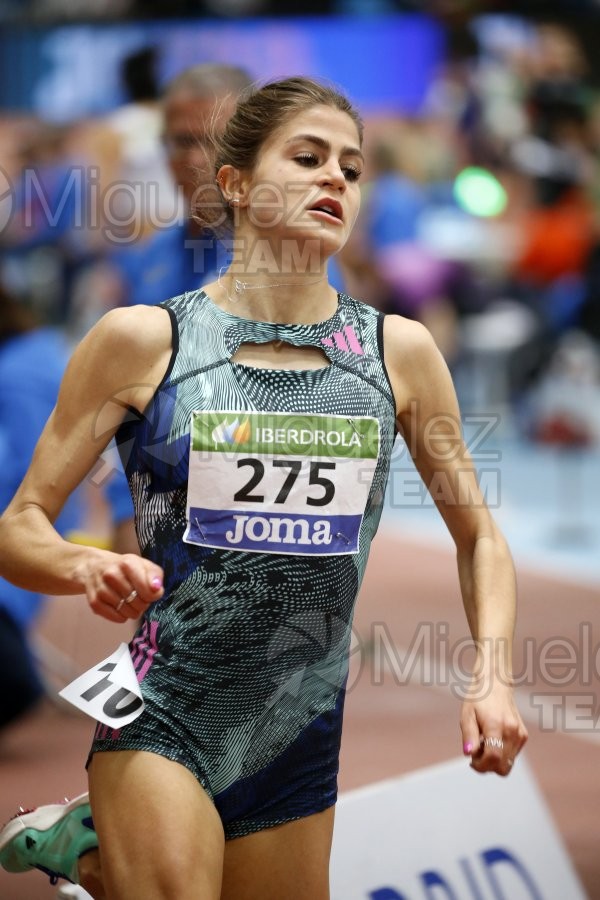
(240,286)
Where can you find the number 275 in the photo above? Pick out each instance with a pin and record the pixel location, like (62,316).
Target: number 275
(295,467)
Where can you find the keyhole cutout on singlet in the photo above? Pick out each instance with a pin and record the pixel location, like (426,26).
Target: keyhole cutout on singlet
(280,355)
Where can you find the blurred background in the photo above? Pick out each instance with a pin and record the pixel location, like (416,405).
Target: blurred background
(480,217)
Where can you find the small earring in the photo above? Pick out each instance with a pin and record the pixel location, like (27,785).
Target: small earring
(235,200)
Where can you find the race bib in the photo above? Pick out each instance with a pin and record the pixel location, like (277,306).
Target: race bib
(280,482)
(108,692)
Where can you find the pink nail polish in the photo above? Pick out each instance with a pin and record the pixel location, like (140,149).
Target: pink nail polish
(156,583)
(468,747)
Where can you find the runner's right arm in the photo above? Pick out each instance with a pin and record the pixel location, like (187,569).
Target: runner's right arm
(118,365)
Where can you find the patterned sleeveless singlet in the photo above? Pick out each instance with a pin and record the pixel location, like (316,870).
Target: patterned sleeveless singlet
(258,491)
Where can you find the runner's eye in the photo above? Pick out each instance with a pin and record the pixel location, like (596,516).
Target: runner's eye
(351,173)
(307,159)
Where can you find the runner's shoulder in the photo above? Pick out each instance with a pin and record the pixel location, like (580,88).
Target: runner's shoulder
(128,346)
(135,329)
(409,345)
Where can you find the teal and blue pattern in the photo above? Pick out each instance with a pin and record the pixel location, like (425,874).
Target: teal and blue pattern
(243,662)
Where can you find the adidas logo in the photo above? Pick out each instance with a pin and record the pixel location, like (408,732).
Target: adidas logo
(344,340)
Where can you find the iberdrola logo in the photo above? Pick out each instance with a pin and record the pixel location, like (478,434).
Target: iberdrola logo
(232,433)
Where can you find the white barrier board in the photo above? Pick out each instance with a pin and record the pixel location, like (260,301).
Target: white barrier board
(448,833)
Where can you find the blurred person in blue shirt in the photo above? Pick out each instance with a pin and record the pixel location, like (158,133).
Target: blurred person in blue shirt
(179,255)
(32,361)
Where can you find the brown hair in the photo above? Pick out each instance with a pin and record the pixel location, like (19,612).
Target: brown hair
(259,113)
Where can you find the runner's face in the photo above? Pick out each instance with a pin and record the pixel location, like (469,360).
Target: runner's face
(188,122)
(305,184)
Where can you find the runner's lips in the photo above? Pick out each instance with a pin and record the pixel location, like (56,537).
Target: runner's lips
(333,207)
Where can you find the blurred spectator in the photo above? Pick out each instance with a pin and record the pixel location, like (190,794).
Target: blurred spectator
(32,360)
(564,407)
(151,156)
(517,104)
(555,154)
(176,256)
(589,314)
(132,191)
(40,252)
(133,169)
(389,263)
(554,158)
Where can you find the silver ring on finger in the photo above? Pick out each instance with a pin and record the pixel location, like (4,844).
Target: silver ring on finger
(494,742)
(120,604)
(131,597)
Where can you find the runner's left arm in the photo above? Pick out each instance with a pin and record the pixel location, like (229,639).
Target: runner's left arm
(429,419)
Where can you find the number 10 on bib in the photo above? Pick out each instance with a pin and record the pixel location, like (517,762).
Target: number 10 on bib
(279,482)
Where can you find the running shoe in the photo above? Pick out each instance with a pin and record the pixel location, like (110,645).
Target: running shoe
(49,838)
(72,892)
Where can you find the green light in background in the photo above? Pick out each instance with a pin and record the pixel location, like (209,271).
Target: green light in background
(478,192)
